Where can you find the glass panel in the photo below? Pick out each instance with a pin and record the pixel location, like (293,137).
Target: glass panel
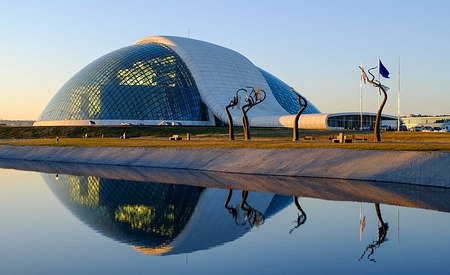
(138,82)
(283,94)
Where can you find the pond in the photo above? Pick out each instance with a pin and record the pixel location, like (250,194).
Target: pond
(72,219)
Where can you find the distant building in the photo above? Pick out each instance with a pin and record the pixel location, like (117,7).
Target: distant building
(166,80)
(425,120)
(16,122)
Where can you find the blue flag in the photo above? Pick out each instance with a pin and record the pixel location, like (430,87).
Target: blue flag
(383,71)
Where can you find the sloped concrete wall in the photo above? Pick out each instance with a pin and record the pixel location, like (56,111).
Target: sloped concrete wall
(425,168)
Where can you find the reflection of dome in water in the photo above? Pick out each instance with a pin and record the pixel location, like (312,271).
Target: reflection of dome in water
(158,218)
(136,213)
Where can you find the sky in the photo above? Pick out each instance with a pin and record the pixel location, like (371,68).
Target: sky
(314,46)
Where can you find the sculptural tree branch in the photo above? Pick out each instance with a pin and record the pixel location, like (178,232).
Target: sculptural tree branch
(377,84)
(245,123)
(255,97)
(303,104)
(232,104)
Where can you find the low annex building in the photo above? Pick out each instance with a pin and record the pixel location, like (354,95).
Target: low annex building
(167,80)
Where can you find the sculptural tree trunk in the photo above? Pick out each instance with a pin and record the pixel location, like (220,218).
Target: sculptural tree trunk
(230,123)
(245,123)
(377,133)
(295,134)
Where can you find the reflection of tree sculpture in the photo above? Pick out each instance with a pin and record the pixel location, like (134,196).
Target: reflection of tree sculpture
(301,217)
(303,104)
(253,216)
(383,88)
(381,238)
(255,97)
(231,209)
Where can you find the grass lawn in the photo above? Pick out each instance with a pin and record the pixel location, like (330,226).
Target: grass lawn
(216,137)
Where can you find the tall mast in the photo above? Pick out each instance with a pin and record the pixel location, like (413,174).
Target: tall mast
(398,96)
(360,99)
(379,79)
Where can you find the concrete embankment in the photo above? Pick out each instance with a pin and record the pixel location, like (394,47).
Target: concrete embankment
(425,168)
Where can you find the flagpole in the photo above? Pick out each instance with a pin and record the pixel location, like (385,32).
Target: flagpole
(360,99)
(379,79)
(398,96)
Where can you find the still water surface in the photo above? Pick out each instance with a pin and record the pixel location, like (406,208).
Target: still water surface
(64,223)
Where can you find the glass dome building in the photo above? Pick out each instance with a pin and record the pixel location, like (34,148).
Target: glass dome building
(170,79)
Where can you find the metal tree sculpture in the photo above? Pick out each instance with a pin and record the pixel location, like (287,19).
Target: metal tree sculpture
(255,97)
(303,104)
(232,104)
(383,88)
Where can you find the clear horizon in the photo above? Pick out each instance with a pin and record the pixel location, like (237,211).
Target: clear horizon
(316,47)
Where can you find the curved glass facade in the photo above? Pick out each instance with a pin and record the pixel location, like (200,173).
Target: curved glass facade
(284,95)
(138,82)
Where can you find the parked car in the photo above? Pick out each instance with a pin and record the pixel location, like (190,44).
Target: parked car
(445,129)
(427,129)
(165,123)
(385,128)
(364,128)
(169,123)
(416,129)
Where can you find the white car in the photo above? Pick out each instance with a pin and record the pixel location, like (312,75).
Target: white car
(364,128)
(169,123)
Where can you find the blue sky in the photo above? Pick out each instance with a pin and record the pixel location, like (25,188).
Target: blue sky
(315,46)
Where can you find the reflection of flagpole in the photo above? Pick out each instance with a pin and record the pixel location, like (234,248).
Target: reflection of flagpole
(398,226)
(362,222)
(398,96)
